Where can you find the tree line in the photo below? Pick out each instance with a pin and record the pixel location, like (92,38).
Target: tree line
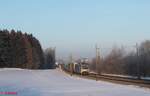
(20,50)
(49,55)
(122,62)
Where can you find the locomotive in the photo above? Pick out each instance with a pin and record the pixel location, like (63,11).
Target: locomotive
(81,67)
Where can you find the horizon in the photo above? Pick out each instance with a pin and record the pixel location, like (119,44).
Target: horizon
(76,26)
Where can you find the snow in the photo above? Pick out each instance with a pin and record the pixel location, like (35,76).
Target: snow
(146,78)
(116,75)
(126,76)
(3,69)
(58,83)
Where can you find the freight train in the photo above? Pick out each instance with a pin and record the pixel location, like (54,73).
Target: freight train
(81,68)
(78,68)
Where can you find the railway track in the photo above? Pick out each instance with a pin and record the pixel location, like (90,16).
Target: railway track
(115,79)
(124,79)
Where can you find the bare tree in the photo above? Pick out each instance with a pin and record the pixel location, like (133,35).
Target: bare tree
(113,63)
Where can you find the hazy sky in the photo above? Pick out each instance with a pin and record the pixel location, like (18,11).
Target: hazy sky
(77,25)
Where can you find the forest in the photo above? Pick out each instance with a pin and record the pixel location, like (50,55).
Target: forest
(20,50)
(121,61)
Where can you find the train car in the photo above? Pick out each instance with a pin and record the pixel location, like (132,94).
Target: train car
(77,68)
(81,68)
(67,67)
(84,69)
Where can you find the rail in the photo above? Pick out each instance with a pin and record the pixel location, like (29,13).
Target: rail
(114,79)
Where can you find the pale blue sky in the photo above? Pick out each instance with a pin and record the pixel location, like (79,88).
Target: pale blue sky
(77,25)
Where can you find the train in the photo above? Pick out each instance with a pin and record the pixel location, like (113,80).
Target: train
(81,68)
(77,68)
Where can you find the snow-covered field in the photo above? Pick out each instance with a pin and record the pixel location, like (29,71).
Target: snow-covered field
(57,83)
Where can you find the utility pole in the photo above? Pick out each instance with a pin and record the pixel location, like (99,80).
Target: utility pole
(54,56)
(71,64)
(97,61)
(138,63)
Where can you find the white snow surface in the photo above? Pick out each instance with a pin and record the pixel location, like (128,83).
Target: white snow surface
(58,83)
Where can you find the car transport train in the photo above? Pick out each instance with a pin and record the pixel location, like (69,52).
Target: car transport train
(78,68)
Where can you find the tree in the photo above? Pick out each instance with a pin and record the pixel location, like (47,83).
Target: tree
(144,53)
(113,63)
(50,58)
(5,49)
(20,50)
